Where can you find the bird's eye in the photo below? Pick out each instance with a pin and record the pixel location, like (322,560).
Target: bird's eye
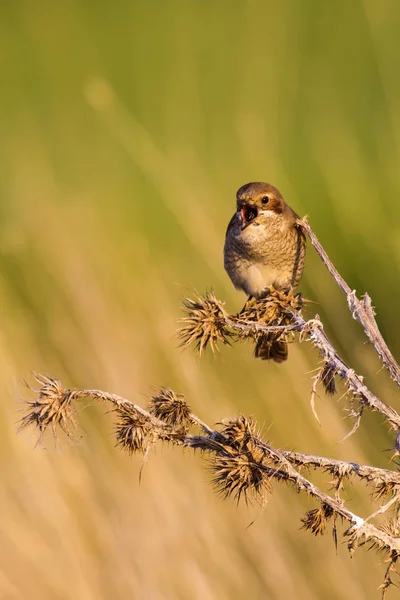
(265,200)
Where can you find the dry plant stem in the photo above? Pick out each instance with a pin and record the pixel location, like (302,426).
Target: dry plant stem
(372,475)
(358,526)
(366,472)
(361,310)
(297,458)
(241,326)
(314,330)
(316,333)
(275,464)
(118,401)
(121,402)
(383,508)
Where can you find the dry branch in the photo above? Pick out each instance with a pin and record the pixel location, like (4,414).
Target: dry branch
(243,464)
(219,326)
(378,478)
(360,529)
(361,310)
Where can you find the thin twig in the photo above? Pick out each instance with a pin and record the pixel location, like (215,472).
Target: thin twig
(361,310)
(366,472)
(312,398)
(383,508)
(117,401)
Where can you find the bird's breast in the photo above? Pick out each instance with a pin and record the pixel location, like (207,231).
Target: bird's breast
(263,255)
(256,277)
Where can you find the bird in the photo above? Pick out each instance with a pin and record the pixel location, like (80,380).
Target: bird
(264,248)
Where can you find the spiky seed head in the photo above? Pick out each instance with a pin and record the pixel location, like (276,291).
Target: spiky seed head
(239,431)
(240,474)
(133,430)
(392,527)
(52,407)
(170,407)
(383,488)
(238,465)
(327,377)
(275,309)
(316,520)
(204,323)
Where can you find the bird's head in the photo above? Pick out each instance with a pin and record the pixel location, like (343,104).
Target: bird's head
(257,200)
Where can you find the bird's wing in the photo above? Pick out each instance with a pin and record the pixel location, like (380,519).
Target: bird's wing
(231,222)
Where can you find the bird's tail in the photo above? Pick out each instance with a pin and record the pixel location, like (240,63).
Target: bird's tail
(267,349)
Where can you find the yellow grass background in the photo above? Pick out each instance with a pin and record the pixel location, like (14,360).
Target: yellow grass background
(126,129)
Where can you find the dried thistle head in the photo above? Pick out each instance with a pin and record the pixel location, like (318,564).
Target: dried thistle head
(240,474)
(204,323)
(273,309)
(392,526)
(133,430)
(316,520)
(51,408)
(170,407)
(327,377)
(383,488)
(238,464)
(239,432)
(137,431)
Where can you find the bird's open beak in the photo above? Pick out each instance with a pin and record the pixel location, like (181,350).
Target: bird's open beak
(248,212)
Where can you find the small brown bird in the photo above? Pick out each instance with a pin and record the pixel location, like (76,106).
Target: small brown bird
(264,247)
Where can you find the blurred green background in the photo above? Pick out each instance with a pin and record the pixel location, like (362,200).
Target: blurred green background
(126,129)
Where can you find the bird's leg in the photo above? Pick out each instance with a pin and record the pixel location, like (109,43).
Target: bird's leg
(299,299)
(270,290)
(250,300)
